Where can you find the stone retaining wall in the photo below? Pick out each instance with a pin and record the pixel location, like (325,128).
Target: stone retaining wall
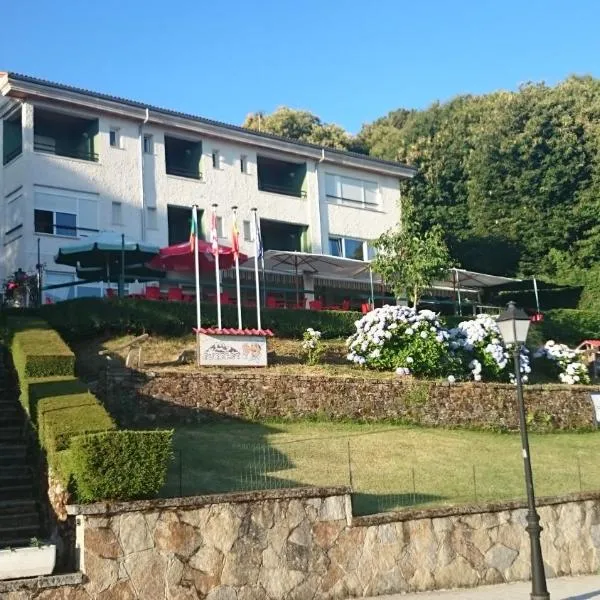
(304,544)
(197,396)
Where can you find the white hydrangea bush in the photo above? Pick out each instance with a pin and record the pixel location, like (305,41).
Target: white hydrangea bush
(563,362)
(480,345)
(401,339)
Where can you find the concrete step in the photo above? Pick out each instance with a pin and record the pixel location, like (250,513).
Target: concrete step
(10,435)
(17,492)
(22,519)
(15,477)
(17,507)
(12,454)
(19,531)
(11,418)
(15,470)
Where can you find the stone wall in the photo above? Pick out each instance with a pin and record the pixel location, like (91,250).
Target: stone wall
(304,544)
(194,396)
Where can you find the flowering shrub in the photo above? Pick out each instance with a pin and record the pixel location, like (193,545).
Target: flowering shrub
(398,338)
(563,363)
(312,346)
(480,344)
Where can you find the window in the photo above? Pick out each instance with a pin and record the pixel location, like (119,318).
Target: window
(114,138)
(352,190)
(117,213)
(354,249)
(216,159)
(335,246)
(350,248)
(152,222)
(244,163)
(65,212)
(148,144)
(220,227)
(54,223)
(247,231)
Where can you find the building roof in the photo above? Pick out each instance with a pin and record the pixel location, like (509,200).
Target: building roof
(18,85)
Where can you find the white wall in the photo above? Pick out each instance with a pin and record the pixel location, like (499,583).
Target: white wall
(116,177)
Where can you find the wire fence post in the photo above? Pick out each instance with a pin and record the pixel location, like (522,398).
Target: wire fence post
(414,487)
(579,474)
(474,484)
(180,473)
(350,478)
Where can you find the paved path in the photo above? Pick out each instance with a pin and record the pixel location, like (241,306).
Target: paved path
(561,588)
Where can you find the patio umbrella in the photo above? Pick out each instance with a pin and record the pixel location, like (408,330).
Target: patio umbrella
(109,252)
(180,258)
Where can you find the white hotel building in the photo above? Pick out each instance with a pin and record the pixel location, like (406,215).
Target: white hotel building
(75,162)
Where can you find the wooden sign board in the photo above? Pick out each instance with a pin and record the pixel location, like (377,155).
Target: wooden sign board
(219,350)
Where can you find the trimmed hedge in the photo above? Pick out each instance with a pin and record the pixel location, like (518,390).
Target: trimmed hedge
(38,351)
(571,326)
(36,388)
(119,465)
(68,416)
(87,317)
(62,417)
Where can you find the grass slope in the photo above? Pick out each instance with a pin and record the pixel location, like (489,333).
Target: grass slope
(448,467)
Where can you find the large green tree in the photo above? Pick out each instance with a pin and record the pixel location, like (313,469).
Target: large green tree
(304,126)
(512,179)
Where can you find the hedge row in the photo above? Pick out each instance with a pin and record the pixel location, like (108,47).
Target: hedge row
(73,426)
(87,317)
(38,350)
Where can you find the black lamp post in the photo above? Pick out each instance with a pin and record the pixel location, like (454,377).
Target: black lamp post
(514,324)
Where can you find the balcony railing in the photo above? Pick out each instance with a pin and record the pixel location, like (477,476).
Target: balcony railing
(68,152)
(184,173)
(13,154)
(280,189)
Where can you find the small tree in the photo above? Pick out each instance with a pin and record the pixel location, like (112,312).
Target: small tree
(410,261)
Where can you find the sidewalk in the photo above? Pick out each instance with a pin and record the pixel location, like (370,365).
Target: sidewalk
(562,588)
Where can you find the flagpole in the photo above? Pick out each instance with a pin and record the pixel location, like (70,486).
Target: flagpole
(236,256)
(256,252)
(197,279)
(215,246)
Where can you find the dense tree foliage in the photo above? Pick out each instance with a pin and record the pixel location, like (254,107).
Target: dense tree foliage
(512,178)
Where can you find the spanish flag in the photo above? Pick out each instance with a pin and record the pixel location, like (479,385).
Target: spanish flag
(235,239)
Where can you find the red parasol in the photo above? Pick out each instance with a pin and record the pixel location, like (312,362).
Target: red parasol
(180,258)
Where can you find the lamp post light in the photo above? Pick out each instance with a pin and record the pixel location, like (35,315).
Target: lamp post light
(514,324)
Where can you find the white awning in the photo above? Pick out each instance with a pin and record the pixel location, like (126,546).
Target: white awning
(323,266)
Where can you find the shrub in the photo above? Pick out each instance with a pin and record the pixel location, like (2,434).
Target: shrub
(560,362)
(482,350)
(118,465)
(40,352)
(87,317)
(60,418)
(400,338)
(312,346)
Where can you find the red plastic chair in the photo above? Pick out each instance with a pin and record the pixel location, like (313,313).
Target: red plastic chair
(226,298)
(365,307)
(315,305)
(110,293)
(152,293)
(174,295)
(345,304)
(271,302)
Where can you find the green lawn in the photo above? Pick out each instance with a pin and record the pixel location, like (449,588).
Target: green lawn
(391,466)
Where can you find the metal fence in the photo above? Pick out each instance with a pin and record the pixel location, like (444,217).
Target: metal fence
(383,477)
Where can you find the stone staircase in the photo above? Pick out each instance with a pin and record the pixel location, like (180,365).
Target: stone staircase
(19,507)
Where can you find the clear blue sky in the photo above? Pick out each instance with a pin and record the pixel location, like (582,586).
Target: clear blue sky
(348,61)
